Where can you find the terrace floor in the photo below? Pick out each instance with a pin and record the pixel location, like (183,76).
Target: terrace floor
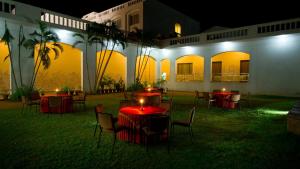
(254,137)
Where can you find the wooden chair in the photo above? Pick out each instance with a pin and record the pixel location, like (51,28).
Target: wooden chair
(26,102)
(198,97)
(235,99)
(98,109)
(80,100)
(185,123)
(168,105)
(156,127)
(55,103)
(245,98)
(209,98)
(107,124)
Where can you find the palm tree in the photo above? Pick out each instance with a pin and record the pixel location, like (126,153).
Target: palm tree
(21,40)
(144,43)
(46,41)
(7,39)
(106,33)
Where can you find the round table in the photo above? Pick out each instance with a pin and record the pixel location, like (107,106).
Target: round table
(66,105)
(137,116)
(222,99)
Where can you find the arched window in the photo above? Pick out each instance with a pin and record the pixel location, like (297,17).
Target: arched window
(178,29)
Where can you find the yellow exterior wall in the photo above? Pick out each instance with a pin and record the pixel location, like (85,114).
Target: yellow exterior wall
(4,68)
(231,61)
(198,65)
(63,71)
(116,67)
(149,73)
(165,66)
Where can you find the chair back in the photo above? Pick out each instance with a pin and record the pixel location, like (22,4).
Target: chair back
(54,101)
(125,95)
(106,121)
(158,124)
(24,99)
(99,108)
(197,93)
(192,115)
(167,105)
(125,103)
(35,95)
(235,91)
(235,97)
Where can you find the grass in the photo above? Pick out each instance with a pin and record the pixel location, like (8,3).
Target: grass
(253,138)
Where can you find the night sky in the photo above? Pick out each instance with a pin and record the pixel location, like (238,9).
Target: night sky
(211,13)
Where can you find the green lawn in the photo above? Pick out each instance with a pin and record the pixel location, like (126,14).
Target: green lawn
(254,137)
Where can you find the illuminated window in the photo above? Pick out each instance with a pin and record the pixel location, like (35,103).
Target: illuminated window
(133,19)
(184,68)
(118,23)
(178,29)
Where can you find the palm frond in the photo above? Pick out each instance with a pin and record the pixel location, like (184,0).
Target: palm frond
(59,46)
(56,52)
(78,35)
(6,57)
(77,43)
(7,37)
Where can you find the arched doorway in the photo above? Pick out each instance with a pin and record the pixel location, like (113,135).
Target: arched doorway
(189,68)
(4,69)
(116,68)
(64,71)
(146,67)
(230,67)
(165,66)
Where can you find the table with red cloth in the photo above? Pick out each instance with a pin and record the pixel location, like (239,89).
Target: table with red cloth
(223,99)
(150,98)
(66,105)
(138,116)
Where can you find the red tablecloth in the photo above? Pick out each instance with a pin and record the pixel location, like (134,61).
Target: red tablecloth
(137,116)
(67,104)
(222,99)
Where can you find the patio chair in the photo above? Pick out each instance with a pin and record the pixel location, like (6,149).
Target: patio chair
(98,109)
(245,98)
(167,104)
(235,99)
(55,103)
(80,100)
(198,97)
(27,103)
(185,123)
(209,98)
(107,124)
(157,128)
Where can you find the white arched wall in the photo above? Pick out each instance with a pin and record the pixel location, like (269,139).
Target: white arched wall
(197,69)
(148,68)
(4,68)
(117,65)
(65,71)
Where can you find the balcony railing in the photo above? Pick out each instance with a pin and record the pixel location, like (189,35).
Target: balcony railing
(230,77)
(189,77)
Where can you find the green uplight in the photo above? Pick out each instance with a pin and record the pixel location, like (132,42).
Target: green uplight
(272,111)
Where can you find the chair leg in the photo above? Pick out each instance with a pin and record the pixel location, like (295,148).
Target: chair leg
(191,133)
(96,126)
(113,147)
(22,108)
(99,139)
